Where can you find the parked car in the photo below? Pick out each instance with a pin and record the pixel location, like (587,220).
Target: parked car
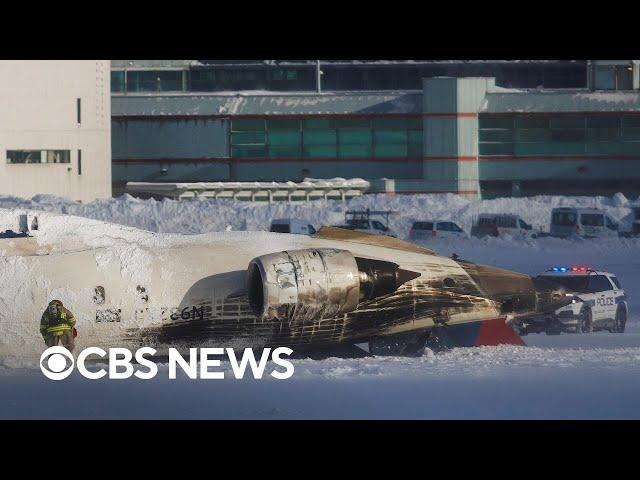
(292,225)
(583,222)
(362,221)
(500,224)
(435,229)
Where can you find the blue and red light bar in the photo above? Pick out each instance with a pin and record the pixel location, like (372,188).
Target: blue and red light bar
(575,269)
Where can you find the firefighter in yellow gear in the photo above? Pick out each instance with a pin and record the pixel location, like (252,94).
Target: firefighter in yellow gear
(57,326)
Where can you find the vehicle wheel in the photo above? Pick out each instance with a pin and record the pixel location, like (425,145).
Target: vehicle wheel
(585,322)
(621,319)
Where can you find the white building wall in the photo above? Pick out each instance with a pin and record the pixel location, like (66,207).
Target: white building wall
(38,111)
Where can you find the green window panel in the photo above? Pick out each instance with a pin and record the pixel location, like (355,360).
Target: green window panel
(496,149)
(496,122)
(631,134)
(414,136)
(291,125)
(390,136)
(631,121)
(354,136)
(246,125)
(603,122)
(389,150)
(603,148)
(285,151)
(569,122)
(414,149)
(320,151)
(603,134)
(549,148)
(283,137)
(117,81)
(318,124)
(531,122)
(496,135)
(414,123)
(568,136)
(248,138)
(353,123)
(347,151)
(629,148)
(320,137)
(533,135)
(248,151)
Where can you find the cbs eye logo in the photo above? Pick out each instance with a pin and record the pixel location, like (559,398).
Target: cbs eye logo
(56,363)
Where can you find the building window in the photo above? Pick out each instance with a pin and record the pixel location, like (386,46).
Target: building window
(603,129)
(79,162)
(284,138)
(560,135)
(38,156)
(320,139)
(327,138)
(248,138)
(154,81)
(613,77)
(631,129)
(79,110)
(496,135)
(117,81)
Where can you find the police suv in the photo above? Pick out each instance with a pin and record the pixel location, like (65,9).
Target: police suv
(599,303)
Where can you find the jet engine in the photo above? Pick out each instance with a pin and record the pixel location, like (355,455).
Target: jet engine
(312,284)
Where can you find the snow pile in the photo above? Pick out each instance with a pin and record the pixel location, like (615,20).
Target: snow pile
(208,215)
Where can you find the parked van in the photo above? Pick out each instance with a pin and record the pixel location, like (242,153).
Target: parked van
(500,224)
(362,221)
(435,229)
(292,225)
(584,222)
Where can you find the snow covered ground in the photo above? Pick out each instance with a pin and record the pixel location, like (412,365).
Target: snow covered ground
(566,376)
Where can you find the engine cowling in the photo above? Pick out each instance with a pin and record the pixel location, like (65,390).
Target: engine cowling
(311,284)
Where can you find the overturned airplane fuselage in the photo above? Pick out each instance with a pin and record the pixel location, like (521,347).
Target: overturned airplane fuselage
(251,289)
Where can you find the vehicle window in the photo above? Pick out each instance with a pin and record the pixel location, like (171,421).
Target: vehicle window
(377,225)
(280,228)
(455,228)
(423,226)
(486,222)
(524,225)
(564,219)
(598,283)
(363,224)
(443,226)
(592,219)
(506,222)
(616,282)
(611,225)
(575,284)
(311,229)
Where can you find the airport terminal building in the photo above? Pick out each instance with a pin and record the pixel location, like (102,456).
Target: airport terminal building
(474,128)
